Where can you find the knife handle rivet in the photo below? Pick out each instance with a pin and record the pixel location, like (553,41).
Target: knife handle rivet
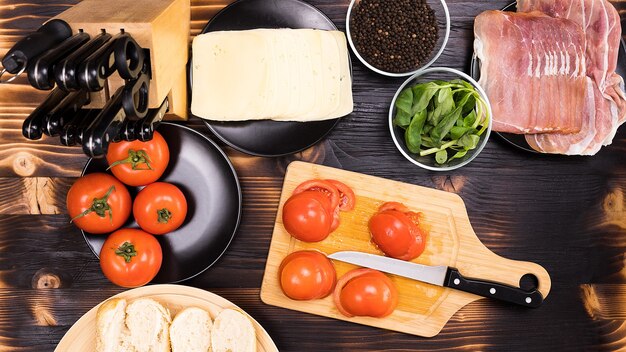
(457,281)
(528,300)
(492,291)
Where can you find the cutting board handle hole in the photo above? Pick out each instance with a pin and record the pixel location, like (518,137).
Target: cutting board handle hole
(529,282)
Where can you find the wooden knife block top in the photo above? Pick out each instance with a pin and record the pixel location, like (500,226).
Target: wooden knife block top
(162,26)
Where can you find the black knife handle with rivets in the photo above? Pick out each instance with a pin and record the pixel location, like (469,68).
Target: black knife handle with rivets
(41,69)
(528,298)
(105,127)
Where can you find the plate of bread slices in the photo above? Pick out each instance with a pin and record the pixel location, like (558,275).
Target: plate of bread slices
(164,318)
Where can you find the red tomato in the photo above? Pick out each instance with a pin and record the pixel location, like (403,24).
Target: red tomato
(397,233)
(306,275)
(130,257)
(365,292)
(139,163)
(346,195)
(312,220)
(321,186)
(160,208)
(306,216)
(98,203)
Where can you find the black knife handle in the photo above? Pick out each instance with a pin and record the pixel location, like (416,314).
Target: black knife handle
(146,126)
(105,127)
(94,71)
(135,97)
(531,298)
(129,57)
(33,124)
(69,134)
(64,112)
(65,72)
(41,70)
(46,37)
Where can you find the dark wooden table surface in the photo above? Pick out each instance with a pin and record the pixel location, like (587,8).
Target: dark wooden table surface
(566,213)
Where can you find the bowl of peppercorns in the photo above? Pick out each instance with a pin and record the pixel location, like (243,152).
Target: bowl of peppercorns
(397,37)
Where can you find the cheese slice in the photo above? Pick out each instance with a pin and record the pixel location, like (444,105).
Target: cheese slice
(278,74)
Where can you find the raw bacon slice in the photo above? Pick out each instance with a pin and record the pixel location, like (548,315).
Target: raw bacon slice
(533,71)
(573,143)
(601,23)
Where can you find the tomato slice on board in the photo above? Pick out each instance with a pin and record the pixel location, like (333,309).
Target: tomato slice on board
(365,292)
(306,275)
(306,216)
(322,186)
(346,195)
(396,231)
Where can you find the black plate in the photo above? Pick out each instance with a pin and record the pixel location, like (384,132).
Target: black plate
(266,137)
(518,140)
(207,178)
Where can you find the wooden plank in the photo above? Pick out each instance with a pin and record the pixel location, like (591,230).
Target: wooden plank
(33,195)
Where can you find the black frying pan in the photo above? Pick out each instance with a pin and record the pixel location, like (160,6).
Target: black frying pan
(208,180)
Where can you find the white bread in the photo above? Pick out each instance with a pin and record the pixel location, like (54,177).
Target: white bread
(233,332)
(110,325)
(191,331)
(148,325)
(141,326)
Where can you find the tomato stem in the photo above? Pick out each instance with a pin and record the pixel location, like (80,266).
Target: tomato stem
(99,206)
(126,250)
(135,157)
(164,216)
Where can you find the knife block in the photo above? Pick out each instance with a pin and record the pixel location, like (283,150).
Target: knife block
(160,26)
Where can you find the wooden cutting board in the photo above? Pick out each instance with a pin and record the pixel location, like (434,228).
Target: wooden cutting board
(423,309)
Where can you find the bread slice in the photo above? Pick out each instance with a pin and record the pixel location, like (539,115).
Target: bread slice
(110,325)
(148,325)
(141,326)
(233,332)
(191,331)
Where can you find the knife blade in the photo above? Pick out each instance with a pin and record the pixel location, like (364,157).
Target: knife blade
(443,276)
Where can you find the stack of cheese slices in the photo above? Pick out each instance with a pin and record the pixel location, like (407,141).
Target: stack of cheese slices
(278,74)
(144,325)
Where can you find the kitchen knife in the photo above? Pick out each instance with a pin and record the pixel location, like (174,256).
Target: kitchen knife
(442,276)
(105,127)
(66,70)
(93,72)
(135,97)
(64,112)
(33,124)
(129,57)
(41,70)
(46,37)
(145,127)
(69,134)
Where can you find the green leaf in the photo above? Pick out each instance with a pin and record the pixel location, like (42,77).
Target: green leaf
(404,102)
(469,141)
(457,132)
(441,156)
(413,134)
(422,94)
(446,124)
(459,154)
(470,104)
(470,119)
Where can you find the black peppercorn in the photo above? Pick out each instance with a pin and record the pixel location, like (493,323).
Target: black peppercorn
(394,35)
